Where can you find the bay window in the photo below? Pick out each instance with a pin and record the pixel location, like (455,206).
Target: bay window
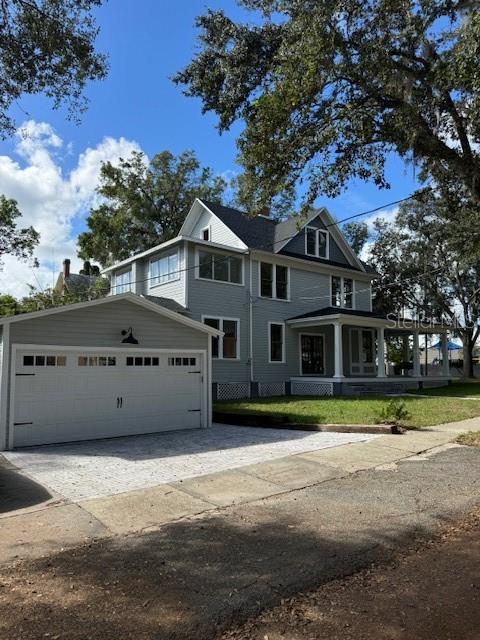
(164,269)
(220,267)
(122,282)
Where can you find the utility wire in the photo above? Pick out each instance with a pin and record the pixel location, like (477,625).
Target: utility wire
(265,246)
(273,244)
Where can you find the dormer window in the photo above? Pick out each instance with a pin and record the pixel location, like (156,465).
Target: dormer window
(206,234)
(316,242)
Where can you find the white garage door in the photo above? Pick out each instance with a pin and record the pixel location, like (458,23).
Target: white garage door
(61,396)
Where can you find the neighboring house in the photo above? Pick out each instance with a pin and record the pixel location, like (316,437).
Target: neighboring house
(293,300)
(74,283)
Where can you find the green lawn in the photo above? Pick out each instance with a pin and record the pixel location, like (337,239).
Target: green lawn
(465,388)
(357,410)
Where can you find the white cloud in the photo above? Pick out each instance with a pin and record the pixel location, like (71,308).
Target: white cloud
(386,214)
(50,201)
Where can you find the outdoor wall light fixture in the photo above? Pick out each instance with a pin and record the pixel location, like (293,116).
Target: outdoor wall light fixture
(129,337)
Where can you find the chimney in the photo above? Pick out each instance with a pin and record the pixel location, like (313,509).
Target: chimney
(264,212)
(66,268)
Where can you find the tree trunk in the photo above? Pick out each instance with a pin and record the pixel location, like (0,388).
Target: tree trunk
(467,354)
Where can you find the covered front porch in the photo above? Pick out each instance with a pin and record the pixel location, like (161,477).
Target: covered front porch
(363,352)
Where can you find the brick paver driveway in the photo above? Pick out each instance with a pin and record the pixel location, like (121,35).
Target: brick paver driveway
(105,467)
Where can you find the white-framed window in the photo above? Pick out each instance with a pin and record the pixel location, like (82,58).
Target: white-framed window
(122,282)
(220,267)
(164,269)
(276,342)
(342,292)
(274,281)
(316,242)
(206,234)
(228,346)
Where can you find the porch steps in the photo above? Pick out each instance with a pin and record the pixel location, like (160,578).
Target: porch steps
(380,389)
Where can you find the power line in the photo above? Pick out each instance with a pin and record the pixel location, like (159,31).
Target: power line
(280,241)
(265,246)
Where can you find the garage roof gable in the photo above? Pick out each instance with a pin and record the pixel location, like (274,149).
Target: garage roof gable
(130,297)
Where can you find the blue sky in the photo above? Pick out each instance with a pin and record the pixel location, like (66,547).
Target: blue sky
(147,42)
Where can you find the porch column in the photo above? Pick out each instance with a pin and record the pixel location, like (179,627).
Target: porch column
(445,362)
(416,355)
(381,353)
(338,346)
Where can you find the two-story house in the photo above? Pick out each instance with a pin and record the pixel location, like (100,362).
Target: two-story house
(292,299)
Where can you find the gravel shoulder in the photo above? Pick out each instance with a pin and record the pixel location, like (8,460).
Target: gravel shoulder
(430,591)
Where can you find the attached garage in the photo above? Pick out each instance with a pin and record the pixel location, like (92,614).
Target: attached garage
(67,374)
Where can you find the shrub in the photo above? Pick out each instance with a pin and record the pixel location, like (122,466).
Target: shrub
(394,412)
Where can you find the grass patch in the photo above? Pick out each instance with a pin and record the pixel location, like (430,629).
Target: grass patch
(471,439)
(423,412)
(464,388)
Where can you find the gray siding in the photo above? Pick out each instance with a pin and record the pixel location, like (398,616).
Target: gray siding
(297,244)
(211,298)
(174,289)
(101,326)
(303,285)
(363,294)
(220,233)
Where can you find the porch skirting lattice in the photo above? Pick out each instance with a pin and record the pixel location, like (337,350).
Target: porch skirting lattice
(233,390)
(269,389)
(312,388)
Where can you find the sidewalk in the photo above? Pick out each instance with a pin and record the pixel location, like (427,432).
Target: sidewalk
(56,524)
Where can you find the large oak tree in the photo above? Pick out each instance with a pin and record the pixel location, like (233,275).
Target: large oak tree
(429,263)
(48,47)
(144,203)
(15,240)
(328,88)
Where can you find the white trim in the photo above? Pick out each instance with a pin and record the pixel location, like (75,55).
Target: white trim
(209,229)
(342,293)
(317,267)
(274,281)
(318,231)
(190,222)
(142,254)
(269,339)
(205,415)
(130,297)
(164,256)
(300,361)
(218,253)
(4,379)
(222,334)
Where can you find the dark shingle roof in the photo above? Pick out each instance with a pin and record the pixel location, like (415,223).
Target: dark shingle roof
(330,311)
(168,303)
(256,232)
(267,234)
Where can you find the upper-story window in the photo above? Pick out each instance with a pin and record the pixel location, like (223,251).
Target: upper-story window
(122,282)
(316,242)
(206,234)
(220,267)
(342,292)
(164,269)
(274,281)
